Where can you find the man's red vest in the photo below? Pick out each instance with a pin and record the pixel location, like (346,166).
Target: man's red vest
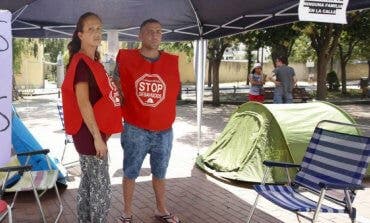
(149,89)
(107,110)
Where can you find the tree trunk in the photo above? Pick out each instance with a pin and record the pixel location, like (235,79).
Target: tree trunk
(368,66)
(324,40)
(321,77)
(210,66)
(216,86)
(343,76)
(331,64)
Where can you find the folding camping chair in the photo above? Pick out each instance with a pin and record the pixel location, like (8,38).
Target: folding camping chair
(67,138)
(333,161)
(33,180)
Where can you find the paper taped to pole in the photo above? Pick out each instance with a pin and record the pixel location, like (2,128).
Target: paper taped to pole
(5,85)
(329,11)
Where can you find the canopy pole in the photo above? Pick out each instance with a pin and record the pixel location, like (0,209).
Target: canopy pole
(113,46)
(199,60)
(113,43)
(200,57)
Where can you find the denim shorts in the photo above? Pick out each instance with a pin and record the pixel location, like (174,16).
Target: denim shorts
(137,142)
(281,97)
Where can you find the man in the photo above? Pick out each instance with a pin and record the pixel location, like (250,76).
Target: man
(150,83)
(284,79)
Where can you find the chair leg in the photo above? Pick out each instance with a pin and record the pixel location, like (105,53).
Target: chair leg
(14,198)
(349,207)
(64,150)
(353,215)
(60,203)
(253,209)
(10,216)
(321,198)
(39,204)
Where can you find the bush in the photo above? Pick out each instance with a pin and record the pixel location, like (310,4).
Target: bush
(332,81)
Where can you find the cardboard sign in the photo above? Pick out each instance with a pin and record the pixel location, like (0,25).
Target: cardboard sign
(329,11)
(5,86)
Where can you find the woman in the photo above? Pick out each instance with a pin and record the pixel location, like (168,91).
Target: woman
(92,113)
(257,80)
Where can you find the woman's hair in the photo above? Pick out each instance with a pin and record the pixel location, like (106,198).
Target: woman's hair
(75,45)
(253,71)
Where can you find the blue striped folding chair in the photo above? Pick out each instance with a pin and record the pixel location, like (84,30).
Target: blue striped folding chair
(37,181)
(332,169)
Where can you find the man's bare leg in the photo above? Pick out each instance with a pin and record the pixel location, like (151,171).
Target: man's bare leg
(159,187)
(128,187)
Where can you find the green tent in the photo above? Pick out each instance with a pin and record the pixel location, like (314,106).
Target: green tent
(258,132)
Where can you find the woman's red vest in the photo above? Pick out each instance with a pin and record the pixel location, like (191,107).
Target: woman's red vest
(107,110)
(149,89)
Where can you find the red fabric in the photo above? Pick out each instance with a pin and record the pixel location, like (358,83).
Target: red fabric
(106,110)
(3,205)
(258,98)
(83,139)
(150,89)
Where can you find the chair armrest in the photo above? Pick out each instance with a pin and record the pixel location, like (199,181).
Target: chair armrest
(44,151)
(341,186)
(280,164)
(16,168)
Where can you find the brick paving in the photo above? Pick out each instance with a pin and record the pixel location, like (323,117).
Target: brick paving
(193,195)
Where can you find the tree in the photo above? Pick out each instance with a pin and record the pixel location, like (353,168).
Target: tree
(353,33)
(216,49)
(324,40)
(280,39)
(302,50)
(252,42)
(21,47)
(363,51)
(186,47)
(53,46)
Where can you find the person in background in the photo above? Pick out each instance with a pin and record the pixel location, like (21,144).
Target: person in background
(256,80)
(284,79)
(150,83)
(92,112)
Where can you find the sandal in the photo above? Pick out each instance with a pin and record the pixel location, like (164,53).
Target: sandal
(125,219)
(168,218)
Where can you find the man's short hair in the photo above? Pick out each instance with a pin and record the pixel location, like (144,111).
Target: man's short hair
(151,20)
(284,60)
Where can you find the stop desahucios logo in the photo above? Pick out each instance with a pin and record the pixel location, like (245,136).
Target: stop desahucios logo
(150,90)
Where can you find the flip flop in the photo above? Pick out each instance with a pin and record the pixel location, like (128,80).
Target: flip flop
(168,218)
(125,219)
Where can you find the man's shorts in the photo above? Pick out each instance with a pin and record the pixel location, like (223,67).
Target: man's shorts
(137,142)
(281,97)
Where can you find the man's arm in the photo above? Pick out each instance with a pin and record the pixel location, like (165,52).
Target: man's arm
(117,81)
(273,78)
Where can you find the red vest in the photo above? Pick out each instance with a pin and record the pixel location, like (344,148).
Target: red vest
(150,89)
(107,110)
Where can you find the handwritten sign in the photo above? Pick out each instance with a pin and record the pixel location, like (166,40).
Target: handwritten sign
(329,11)
(5,86)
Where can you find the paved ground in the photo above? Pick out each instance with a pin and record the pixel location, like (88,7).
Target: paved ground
(192,194)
